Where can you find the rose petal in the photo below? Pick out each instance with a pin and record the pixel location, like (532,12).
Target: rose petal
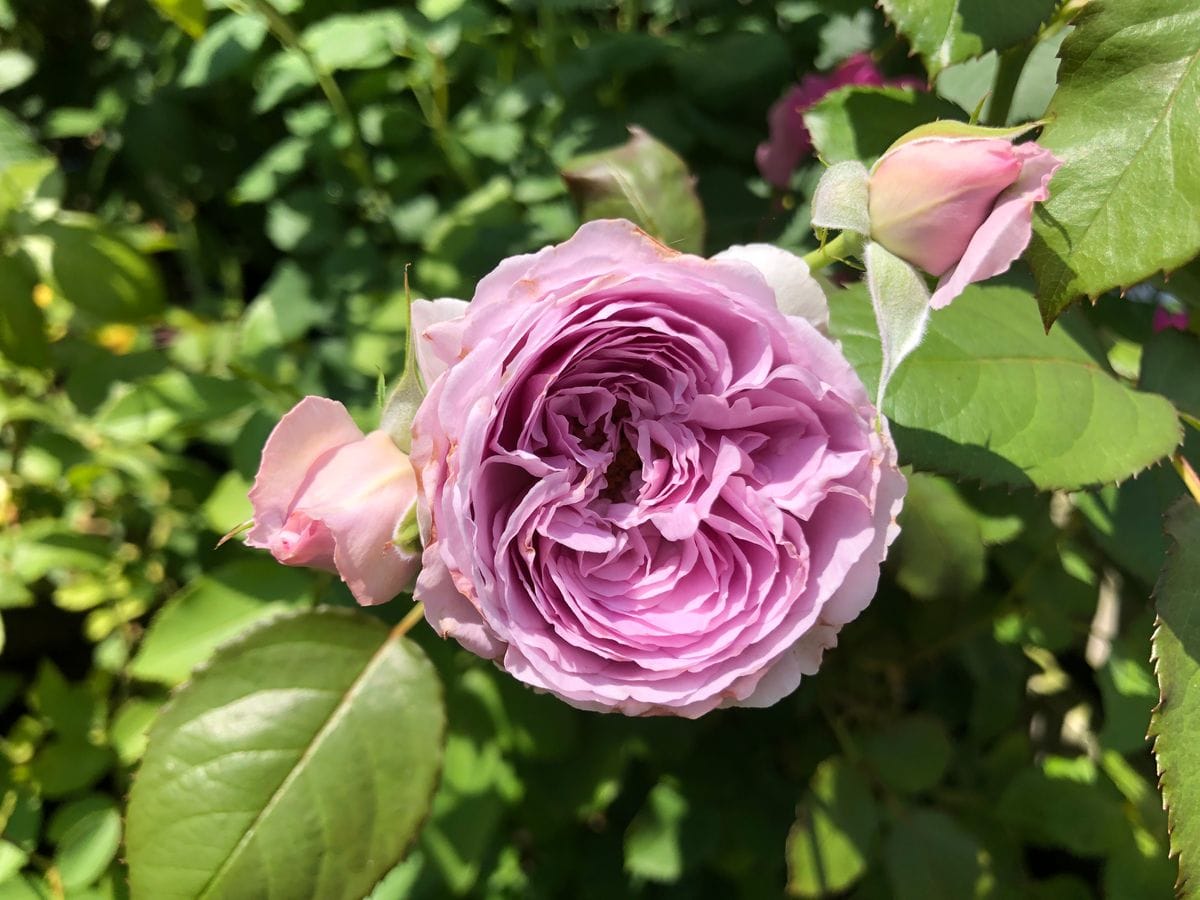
(1005,234)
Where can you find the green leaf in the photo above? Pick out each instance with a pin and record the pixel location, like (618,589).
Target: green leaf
(299,763)
(211,610)
(910,755)
(1177,665)
(24,165)
(652,845)
(102,274)
(274,170)
(862,122)
(283,312)
(88,846)
(15,69)
(940,551)
(159,405)
(1124,121)
(129,727)
(834,835)
(190,15)
(67,766)
(1057,807)
(929,856)
(223,50)
(990,396)
(366,40)
(644,181)
(22,325)
(945,32)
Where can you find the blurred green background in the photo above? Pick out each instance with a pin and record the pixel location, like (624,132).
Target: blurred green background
(207,217)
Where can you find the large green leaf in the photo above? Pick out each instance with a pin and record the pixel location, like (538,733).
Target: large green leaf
(213,609)
(299,763)
(945,32)
(835,832)
(1177,665)
(990,396)
(644,181)
(1126,123)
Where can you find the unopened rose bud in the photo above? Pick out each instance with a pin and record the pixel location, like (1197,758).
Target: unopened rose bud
(329,497)
(958,207)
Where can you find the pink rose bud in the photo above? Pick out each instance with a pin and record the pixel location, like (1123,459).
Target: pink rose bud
(789,140)
(960,208)
(328,497)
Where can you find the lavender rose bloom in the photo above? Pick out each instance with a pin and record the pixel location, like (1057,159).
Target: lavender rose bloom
(648,482)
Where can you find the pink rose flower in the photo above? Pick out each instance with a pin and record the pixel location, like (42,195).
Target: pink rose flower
(961,208)
(1164,319)
(648,481)
(789,140)
(328,497)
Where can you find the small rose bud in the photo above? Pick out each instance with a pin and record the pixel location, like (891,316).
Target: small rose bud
(958,207)
(329,497)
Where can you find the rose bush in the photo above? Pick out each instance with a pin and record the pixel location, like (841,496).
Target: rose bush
(328,497)
(648,482)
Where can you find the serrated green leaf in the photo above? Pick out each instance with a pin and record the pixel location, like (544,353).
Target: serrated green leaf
(644,181)
(945,32)
(929,856)
(299,763)
(990,396)
(834,834)
(190,15)
(212,609)
(1177,666)
(1125,121)
(100,273)
(862,122)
